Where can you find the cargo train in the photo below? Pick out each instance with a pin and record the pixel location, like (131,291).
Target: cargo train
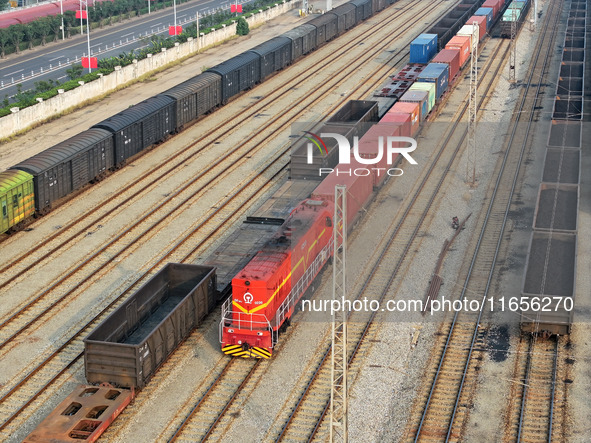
(266,291)
(57,172)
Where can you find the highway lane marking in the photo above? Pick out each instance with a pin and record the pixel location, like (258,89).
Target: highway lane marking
(125,35)
(61,56)
(15,72)
(157,24)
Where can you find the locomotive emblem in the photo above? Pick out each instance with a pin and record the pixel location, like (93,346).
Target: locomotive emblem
(248,298)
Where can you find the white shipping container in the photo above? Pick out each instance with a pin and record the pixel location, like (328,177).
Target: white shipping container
(471,31)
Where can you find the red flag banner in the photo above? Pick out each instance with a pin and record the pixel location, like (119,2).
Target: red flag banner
(81,14)
(235,8)
(93,62)
(239,8)
(173,31)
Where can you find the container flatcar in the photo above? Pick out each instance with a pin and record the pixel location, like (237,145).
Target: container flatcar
(16,198)
(129,346)
(238,74)
(68,166)
(303,40)
(274,55)
(195,97)
(140,126)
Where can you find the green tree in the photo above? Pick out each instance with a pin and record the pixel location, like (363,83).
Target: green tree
(4,39)
(4,5)
(55,22)
(242,27)
(44,28)
(29,32)
(75,71)
(16,36)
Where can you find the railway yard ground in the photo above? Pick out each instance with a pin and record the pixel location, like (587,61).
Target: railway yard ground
(143,216)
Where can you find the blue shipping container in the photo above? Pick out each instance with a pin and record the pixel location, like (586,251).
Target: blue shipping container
(423,48)
(437,73)
(488,13)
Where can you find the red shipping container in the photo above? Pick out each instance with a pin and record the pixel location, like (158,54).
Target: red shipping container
(481,21)
(357,178)
(402,119)
(461,43)
(414,109)
(496,6)
(369,148)
(452,58)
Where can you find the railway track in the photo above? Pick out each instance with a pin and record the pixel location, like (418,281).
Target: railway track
(201,411)
(445,402)
(531,414)
(28,388)
(305,419)
(31,312)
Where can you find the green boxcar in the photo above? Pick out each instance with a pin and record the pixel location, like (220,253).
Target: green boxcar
(17,200)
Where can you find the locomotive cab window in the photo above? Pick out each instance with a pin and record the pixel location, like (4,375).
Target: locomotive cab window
(14,201)
(4,210)
(328,222)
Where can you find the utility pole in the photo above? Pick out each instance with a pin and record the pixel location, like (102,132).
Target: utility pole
(338,392)
(472,110)
(62,16)
(513,52)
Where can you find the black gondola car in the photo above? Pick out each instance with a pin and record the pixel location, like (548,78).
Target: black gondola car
(140,126)
(303,40)
(196,97)
(326,27)
(136,338)
(364,9)
(346,17)
(69,165)
(238,74)
(275,55)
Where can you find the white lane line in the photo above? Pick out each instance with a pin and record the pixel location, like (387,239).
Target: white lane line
(157,24)
(125,35)
(56,58)
(15,72)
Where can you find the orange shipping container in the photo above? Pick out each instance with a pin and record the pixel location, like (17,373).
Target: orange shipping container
(496,6)
(461,43)
(413,109)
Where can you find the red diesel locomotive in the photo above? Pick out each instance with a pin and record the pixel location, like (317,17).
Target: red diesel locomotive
(265,292)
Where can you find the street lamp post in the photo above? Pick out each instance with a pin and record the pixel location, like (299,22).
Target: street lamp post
(88,37)
(62,15)
(81,27)
(174,7)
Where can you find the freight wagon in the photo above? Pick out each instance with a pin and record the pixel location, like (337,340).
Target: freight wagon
(68,166)
(129,346)
(141,126)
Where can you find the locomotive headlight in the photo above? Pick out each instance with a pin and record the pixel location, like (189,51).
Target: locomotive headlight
(239,342)
(230,331)
(260,334)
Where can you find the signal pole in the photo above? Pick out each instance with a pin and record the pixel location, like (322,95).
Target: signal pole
(513,55)
(338,392)
(472,110)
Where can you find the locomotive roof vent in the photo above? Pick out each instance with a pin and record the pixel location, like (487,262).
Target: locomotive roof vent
(313,203)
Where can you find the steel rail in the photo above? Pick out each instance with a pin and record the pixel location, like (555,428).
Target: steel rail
(386,21)
(414,198)
(472,264)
